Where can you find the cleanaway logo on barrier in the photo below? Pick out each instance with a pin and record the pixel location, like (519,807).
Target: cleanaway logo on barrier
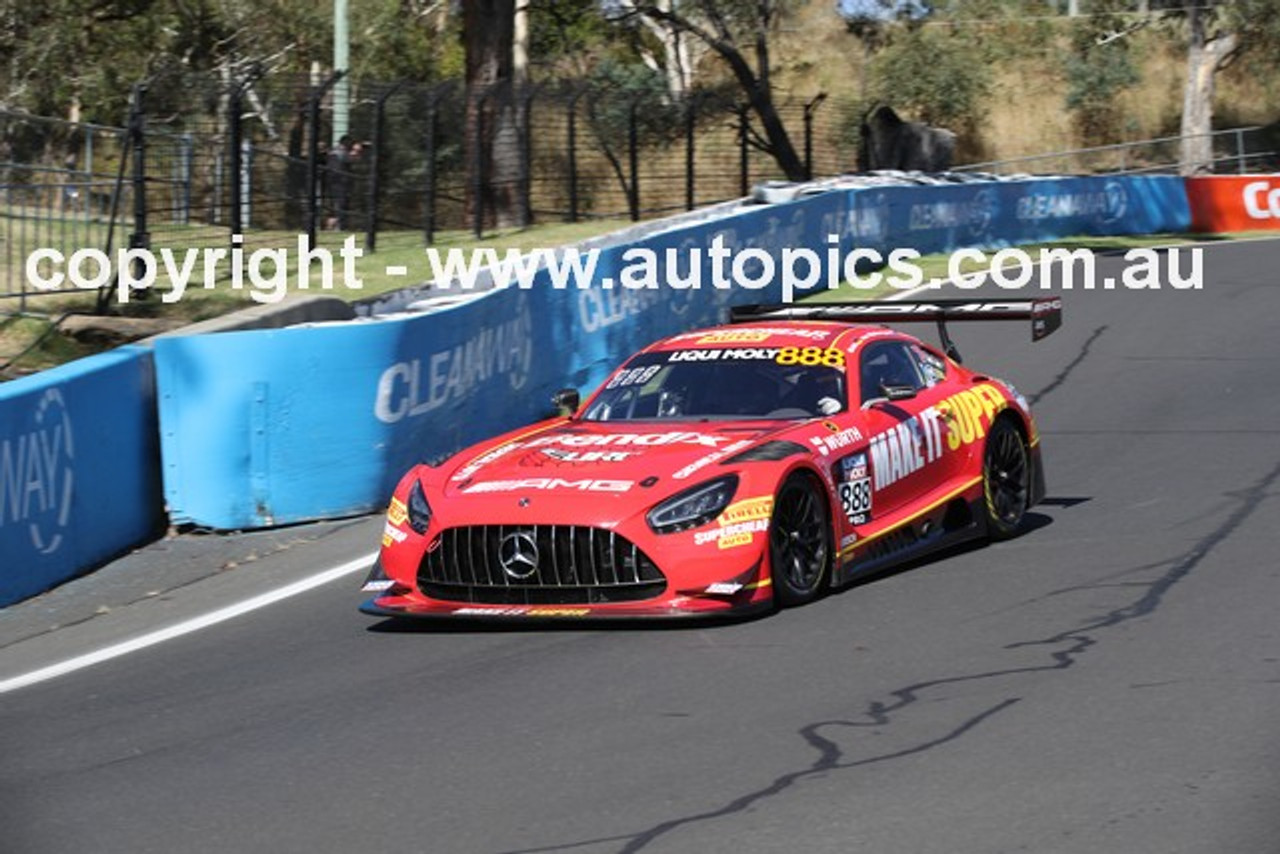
(600,308)
(975,214)
(37,476)
(447,377)
(1261,201)
(870,223)
(1106,205)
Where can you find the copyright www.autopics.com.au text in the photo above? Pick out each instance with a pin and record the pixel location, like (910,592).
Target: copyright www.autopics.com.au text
(798,271)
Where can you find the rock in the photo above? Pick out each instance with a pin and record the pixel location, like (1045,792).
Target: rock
(110,331)
(888,142)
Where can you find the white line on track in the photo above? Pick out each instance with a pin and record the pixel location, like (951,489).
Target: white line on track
(186,627)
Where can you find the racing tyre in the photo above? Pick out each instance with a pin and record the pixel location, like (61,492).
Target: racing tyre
(1006,479)
(799,542)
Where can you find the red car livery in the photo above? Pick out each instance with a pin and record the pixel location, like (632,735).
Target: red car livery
(724,471)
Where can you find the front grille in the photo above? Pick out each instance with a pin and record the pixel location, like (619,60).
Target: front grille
(537,565)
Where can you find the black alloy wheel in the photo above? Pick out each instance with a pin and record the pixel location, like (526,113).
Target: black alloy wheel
(799,541)
(1006,479)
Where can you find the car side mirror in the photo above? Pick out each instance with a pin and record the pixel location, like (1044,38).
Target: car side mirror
(566,400)
(897,392)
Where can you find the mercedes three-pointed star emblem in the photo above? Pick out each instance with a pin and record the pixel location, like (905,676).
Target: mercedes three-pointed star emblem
(518,555)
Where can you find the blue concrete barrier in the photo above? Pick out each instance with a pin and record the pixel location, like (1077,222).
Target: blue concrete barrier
(989,215)
(269,427)
(79,469)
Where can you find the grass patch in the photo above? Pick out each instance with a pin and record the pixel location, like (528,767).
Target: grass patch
(30,344)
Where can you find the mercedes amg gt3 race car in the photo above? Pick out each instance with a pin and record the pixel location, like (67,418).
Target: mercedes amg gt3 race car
(724,471)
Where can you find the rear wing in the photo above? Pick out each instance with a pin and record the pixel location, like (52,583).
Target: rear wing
(1045,314)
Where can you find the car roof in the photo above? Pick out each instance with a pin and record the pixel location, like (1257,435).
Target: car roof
(784,333)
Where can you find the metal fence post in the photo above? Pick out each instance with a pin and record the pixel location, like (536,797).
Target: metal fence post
(477,171)
(375,170)
(1240,150)
(140,239)
(744,153)
(187,177)
(526,158)
(126,140)
(809,109)
(215,197)
(429,179)
(572,144)
(633,191)
(690,125)
(234,109)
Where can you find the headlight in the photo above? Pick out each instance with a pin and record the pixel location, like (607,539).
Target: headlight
(419,510)
(693,507)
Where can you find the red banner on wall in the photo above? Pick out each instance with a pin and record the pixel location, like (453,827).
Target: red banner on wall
(1234,202)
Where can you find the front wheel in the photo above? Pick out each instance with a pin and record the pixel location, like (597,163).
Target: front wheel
(799,541)
(1006,479)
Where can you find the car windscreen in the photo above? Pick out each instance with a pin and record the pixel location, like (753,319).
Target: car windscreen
(724,383)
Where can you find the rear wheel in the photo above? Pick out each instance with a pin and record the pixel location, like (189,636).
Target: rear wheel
(799,541)
(1006,479)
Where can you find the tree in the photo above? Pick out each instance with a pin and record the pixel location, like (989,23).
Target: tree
(620,94)
(738,32)
(869,22)
(1218,32)
(69,56)
(678,53)
(1099,68)
(1210,47)
(933,74)
(492,129)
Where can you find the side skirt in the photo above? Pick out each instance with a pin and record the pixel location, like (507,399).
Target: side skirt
(956,522)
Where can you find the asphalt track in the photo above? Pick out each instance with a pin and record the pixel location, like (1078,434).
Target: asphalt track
(1109,681)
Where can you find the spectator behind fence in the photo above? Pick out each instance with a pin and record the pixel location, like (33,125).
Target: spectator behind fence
(338,181)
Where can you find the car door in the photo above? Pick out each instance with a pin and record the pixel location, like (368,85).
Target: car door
(907,437)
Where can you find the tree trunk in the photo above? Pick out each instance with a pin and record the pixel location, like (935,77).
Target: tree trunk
(760,98)
(520,43)
(678,57)
(1205,56)
(492,139)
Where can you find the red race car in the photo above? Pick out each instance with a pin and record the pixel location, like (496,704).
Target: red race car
(725,471)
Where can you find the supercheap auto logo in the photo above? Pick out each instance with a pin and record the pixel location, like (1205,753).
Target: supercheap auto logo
(397,513)
(739,523)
